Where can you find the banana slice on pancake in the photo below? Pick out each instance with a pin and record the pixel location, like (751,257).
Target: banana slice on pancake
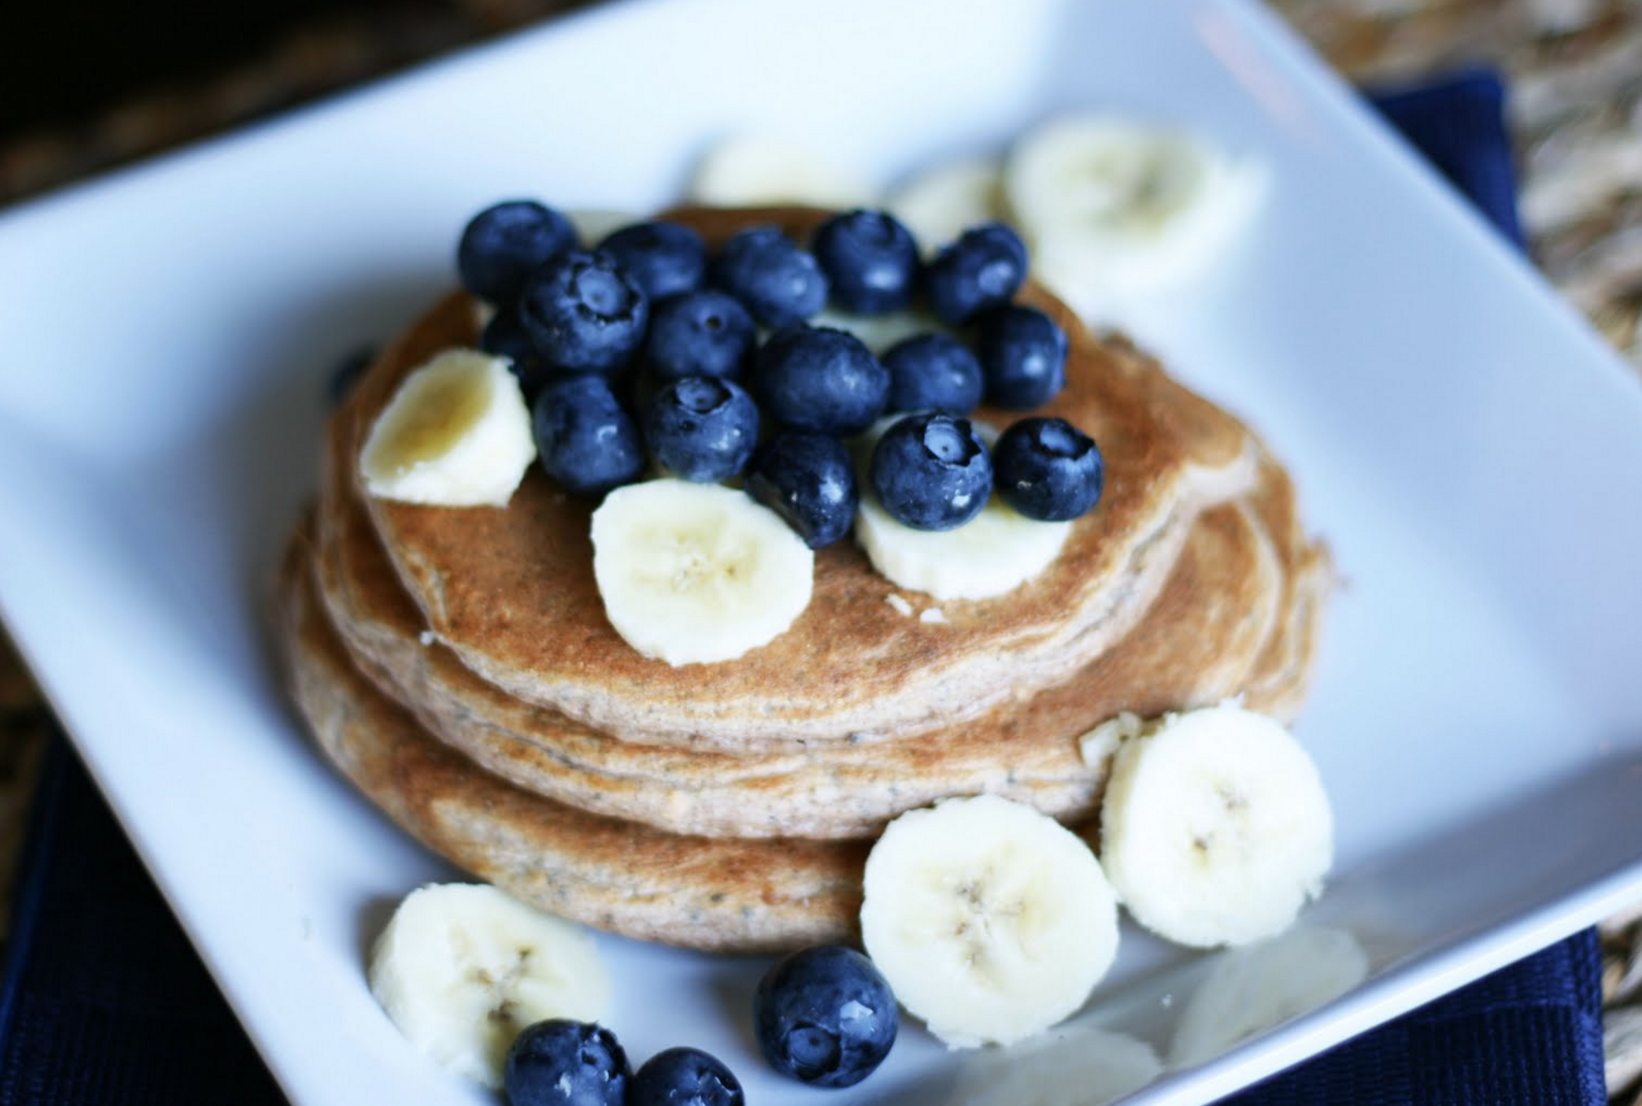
(462,968)
(990,920)
(755,170)
(697,573)
(456,434)
(1113,206)
(1215,828)
(990,555)
(943,201)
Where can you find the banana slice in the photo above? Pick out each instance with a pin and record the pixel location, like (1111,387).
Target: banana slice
(1070,1065)
(462,968)
(594,223)
(1215,828)
(456,434)
(992,554)
(1112,207)
(990,920)
(697,573)
(1261,986)
(942,202)
(753,170)
(879,332)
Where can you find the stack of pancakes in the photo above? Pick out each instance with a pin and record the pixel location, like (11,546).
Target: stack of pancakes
(457,666)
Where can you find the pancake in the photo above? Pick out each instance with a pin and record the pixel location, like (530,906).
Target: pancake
(511,591)
(1198,644)
(721,894)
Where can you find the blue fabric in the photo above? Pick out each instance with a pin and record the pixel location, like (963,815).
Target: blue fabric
(104,1001)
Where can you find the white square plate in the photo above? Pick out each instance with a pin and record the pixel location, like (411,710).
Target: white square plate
(1471,452)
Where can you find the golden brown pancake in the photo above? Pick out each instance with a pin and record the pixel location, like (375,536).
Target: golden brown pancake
(512,591)
(721,894)
(1198,644)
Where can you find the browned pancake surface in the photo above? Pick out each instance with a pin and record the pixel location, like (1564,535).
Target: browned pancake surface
(512,590)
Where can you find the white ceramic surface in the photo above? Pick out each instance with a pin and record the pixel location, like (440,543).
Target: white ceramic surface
(1471,452)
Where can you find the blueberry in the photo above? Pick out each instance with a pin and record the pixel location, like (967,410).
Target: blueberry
(985,267)
(1023,356)
(1048,469)
(870,259)
(808,479)
(779,282)
(583,312)
(503,244)
(702,428)
(664,259)
(931,472)
(684,1077)
(933,372)
(585,439)
(703,333)
(504,336)
(818,378)
(560,1062)
(825,1016)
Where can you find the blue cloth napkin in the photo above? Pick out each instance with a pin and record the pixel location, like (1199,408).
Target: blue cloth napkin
(103,1001)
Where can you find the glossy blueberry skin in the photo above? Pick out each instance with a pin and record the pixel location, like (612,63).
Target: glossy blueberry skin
(985,267)
(871,261)
(933,372)
(701,333)
(818,378)
(931,472)
(1023,356)
(506,242)
(808,479)
(779,282)
(825,1016)
(1048,469)
(504,336)
(702,428)
(585,439)
(584,313)
(684,1077)
(664,259)
(560,1062)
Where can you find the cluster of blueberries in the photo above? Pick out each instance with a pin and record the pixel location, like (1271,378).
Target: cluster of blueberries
(647,346)
(823,1015)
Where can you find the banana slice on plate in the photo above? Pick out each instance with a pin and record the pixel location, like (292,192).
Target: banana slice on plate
(992,554)
(697,573)
(990,920)
(456,434)
(1215,828)
(940,203)
(1069,1065)
(752,170)
(1259,987)
(462,968)
(1113,206)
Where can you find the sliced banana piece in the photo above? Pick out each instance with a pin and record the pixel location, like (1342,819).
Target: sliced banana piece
(940,203)
(990,555)
(1215,828)
(879,332)
(752,170)
(593,223)
(697,573)
(1069,1065)
(990,920)
(1113,207)
(461,968)
(1259,987)
(456,434)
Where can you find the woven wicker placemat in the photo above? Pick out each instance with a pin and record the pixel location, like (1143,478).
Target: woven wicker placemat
(1574,70)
